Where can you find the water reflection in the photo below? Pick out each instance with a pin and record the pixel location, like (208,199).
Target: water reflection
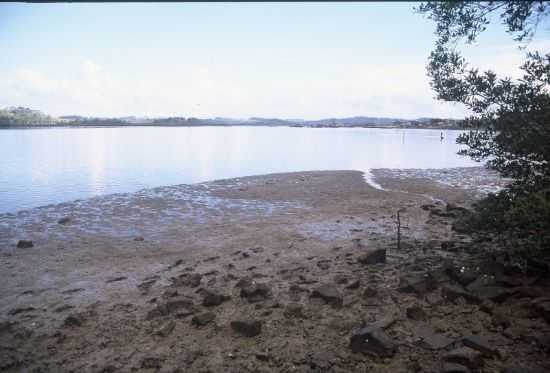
(46,166)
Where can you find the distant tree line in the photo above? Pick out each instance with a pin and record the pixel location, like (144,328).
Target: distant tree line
(14,116)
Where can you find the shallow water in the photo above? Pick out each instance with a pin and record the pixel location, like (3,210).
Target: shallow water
(45,166)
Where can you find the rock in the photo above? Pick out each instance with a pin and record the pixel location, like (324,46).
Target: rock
(518,369)
(435,341)
(454,368)
(171,307)
(170,293)
(487,306)
(493,293)
(370,292)
(191,280)
(178,304)
(453,207)
(24,244)
(452,293)
(73,321)
(372,341)
(465,356)
(537,267)
(244,282)
(166,329)
(323,264)
(441,213)
(461,226)
(464,276)
(354,285)
(541,306)
(417,283)
(328,293)
(263,356)
(116,279)
(139,238)
(18,310)
(341,279)
(373,257)
(416,313)
(146,285)
(63,308)
(294,311)
(248,328)
(480,344)
(429,339)
(256,292)
(203,319)
(64,220)
(449,246)
(384,322)
(151,363)
(212,298)
(499,319)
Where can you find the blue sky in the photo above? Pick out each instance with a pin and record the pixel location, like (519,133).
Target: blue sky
(289,60)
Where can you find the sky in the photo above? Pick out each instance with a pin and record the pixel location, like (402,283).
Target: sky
(285,60)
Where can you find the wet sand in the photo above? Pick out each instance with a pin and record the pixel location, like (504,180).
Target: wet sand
(121,285)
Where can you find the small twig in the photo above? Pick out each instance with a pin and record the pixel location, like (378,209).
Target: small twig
(399,229)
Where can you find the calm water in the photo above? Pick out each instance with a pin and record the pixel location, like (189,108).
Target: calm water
(44,166)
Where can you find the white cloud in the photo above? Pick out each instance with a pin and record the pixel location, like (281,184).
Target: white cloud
(399,89)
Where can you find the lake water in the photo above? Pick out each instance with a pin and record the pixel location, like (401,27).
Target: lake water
(45,166)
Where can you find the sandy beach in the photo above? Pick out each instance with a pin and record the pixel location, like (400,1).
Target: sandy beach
(294,272)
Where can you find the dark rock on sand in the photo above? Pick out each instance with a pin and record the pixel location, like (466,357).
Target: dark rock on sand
(294,310)
(354,285)
(188,279)
(328,293)
(373,257)
(341,279)
(417,283)
(203,318)
(166,329)
(465,356)
(64,220)
(480,344)
(541,306)
(372,341)
(212,298)
(116,279)
(494,293)
(24,244)
(416,313)
(18,310)
(370,292)
(429,339)
(454,368)
(151,363)
(247,328)
(73,321)
(256,292)
(464,276)
(452,293)
(522,369)
(182,306)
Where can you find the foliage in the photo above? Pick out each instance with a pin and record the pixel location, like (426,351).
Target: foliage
(510,125)
(23,116)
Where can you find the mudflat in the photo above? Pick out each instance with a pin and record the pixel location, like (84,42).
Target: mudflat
(295,272)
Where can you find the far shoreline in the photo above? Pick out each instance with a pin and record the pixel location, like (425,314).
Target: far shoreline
(48,126)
